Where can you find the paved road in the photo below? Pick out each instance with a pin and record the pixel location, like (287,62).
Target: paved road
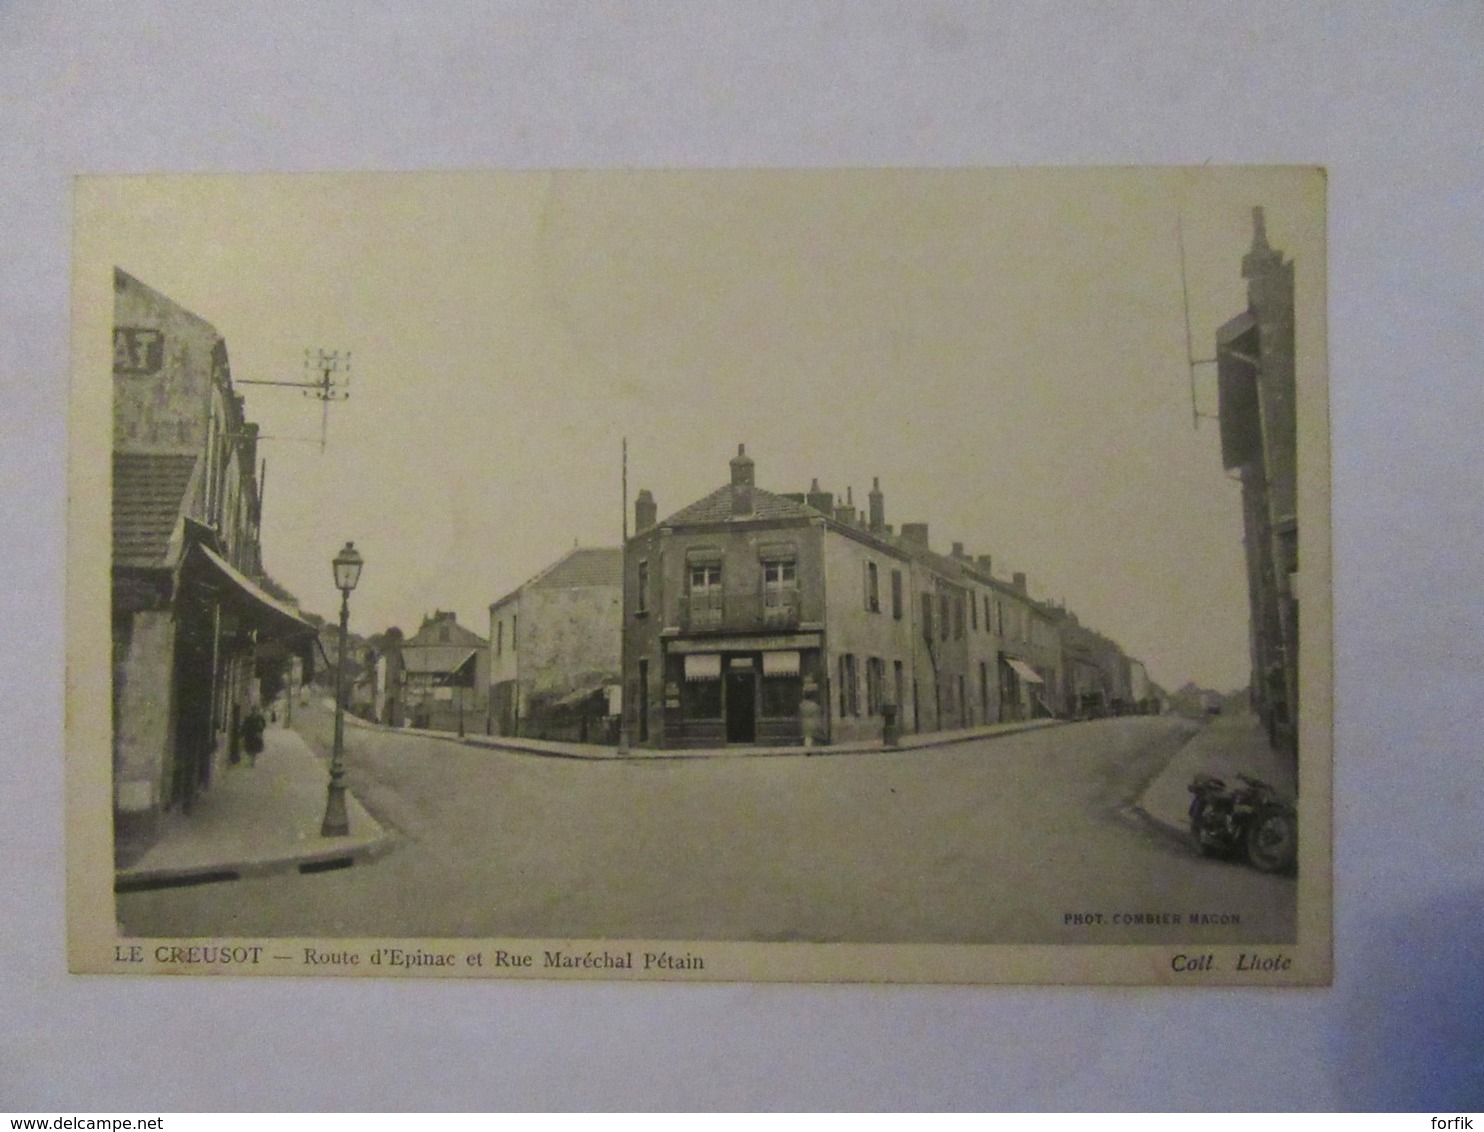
(989,841)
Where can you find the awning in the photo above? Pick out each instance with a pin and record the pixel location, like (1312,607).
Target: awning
(462,675)
(703,666)
(272,618)
(781,663)
(1025,671)
(572,699)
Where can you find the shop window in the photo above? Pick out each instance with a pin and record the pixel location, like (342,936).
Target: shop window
(781,696)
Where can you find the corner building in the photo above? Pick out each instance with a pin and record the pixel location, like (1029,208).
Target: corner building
(754,618)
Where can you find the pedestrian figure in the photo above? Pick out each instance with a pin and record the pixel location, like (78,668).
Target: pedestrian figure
(252,734)
(809,721)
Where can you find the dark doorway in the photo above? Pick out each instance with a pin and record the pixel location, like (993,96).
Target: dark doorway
(741,707)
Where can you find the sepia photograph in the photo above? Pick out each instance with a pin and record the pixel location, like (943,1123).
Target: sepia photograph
(830,575)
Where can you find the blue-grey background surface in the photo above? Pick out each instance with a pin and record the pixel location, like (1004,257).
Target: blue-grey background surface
(1388,96)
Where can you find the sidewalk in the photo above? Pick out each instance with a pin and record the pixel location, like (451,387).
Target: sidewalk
(255,820)
(553,749)
(1227,746)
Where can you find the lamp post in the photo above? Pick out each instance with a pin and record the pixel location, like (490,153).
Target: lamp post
(347,566)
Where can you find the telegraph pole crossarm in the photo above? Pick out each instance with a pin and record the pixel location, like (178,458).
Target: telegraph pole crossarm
(324,387)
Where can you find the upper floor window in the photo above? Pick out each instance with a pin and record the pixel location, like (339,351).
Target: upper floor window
(642,604)
(896,594)
(705,578)
(873,589)
(944,615)
(927,617)
(705,594)
(499,638)
(779,576)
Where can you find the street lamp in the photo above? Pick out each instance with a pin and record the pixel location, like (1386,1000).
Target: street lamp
(347,566)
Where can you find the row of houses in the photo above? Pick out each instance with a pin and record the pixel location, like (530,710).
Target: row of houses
(758,617)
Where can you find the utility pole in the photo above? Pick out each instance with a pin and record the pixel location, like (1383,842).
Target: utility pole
(623,635)
(330,383)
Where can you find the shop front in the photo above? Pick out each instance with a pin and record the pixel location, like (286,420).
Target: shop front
(740,692)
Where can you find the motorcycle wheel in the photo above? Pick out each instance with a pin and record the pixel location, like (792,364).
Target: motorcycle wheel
(1272,841)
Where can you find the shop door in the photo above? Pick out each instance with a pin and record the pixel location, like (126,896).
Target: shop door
(741,707)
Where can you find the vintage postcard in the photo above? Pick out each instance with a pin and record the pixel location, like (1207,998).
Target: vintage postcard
(850,575)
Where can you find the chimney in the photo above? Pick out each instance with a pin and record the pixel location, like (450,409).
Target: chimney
(1019,581)
(742,483)
(645,513)
(916,534)
(877,503)
(984,562)
(845,513)
(820,500)
(1261,258)
(958,550)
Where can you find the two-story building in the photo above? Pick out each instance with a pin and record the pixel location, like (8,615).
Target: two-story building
(555,650)
(192,620)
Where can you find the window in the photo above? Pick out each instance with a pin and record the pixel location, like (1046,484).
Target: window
(927,617)
(896,594)
(873,589)
(849,691)
(499,638)
(779,576)
(875,685)
(705,594)
(974,612)
(642,604)
(944,613)
(898,678)
(780,590)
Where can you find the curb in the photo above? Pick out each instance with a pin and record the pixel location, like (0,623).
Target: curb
(514,744)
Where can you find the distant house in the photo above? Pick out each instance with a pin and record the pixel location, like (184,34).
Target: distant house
(556,650)
(445,676)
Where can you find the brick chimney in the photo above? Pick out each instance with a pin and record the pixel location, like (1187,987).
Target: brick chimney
(958,550)
(877,503)
(645,512)
(820,500)
(742,483)
(845,513)
(1018,581)
(915,534)
(984,562)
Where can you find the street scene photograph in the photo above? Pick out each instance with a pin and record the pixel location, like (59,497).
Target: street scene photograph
(633,562)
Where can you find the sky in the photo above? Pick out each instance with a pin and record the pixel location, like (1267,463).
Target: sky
(1005,350)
